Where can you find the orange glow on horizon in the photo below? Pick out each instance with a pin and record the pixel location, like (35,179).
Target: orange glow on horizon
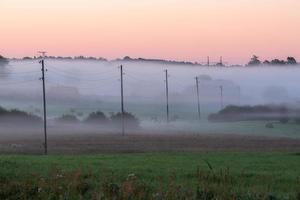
(169,29)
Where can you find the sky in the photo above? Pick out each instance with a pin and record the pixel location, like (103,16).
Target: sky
(167,29)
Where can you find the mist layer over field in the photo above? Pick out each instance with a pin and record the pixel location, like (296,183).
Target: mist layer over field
(81,87)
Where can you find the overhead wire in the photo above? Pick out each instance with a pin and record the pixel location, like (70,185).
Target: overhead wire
(18,82)
(90,73)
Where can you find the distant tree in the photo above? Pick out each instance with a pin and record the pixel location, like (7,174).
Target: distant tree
(91,58)
(79,58)
(130,120)
(254,61)
(15,115)
(96,118)
(102,59)
(266,62)
(67,118)
(27,58)
(291,61)
(220,64)
(278,62)
(3,61)
(127,58)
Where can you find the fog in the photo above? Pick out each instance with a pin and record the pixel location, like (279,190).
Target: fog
(80,87)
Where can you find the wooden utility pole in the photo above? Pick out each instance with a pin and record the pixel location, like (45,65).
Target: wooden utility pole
(221,97)
(122,102)
(167,94)
(44,106)
(208,61)
(239,95)
(198,98)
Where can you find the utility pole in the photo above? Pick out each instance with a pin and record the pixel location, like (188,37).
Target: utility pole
(44,106)
(221,60)
(198,98)
(208,61)
(122,102)
(167,94)
(222,104)
(43,53)
(239,95)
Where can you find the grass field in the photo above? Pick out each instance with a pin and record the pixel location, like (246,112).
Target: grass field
(178,175)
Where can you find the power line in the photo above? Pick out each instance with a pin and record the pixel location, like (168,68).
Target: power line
(89,74)
(21,63)
(81,79)
(64,75)
(18,82)
(140,81)
(13,73)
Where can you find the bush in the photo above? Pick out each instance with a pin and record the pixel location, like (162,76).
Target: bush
(269,125)
(66,184)
(255,113)
(14,115)
(129,119)
(297,120)
(284,120)
(3,61)
(67,119)
(96,118)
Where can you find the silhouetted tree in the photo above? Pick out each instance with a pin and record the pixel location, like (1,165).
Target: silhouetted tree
(277,62)
(27,58)
(254,61)
(291,61)
(130,120)
(14,115)
(79,58)
(67,118)
(3,61)
(266,62)
(127,58)
(96,118)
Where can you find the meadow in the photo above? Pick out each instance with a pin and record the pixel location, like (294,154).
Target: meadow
(173,175)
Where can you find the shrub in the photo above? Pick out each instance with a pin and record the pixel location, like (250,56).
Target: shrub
(64,184)
(129,119)
(96,118)
(67,118)
(269,125)
(15,115)
(284,120)
(259,112)
(297,120)
(3,61)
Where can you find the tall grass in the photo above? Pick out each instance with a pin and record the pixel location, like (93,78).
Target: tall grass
(82,184)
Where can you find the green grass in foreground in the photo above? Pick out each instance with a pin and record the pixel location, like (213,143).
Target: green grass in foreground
(213,175)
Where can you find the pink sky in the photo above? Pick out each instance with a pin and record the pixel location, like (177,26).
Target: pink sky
(168,29)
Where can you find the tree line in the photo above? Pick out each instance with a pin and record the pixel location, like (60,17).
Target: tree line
(255,61)
(3,61)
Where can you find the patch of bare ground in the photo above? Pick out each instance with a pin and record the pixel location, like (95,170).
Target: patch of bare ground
(77,141)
